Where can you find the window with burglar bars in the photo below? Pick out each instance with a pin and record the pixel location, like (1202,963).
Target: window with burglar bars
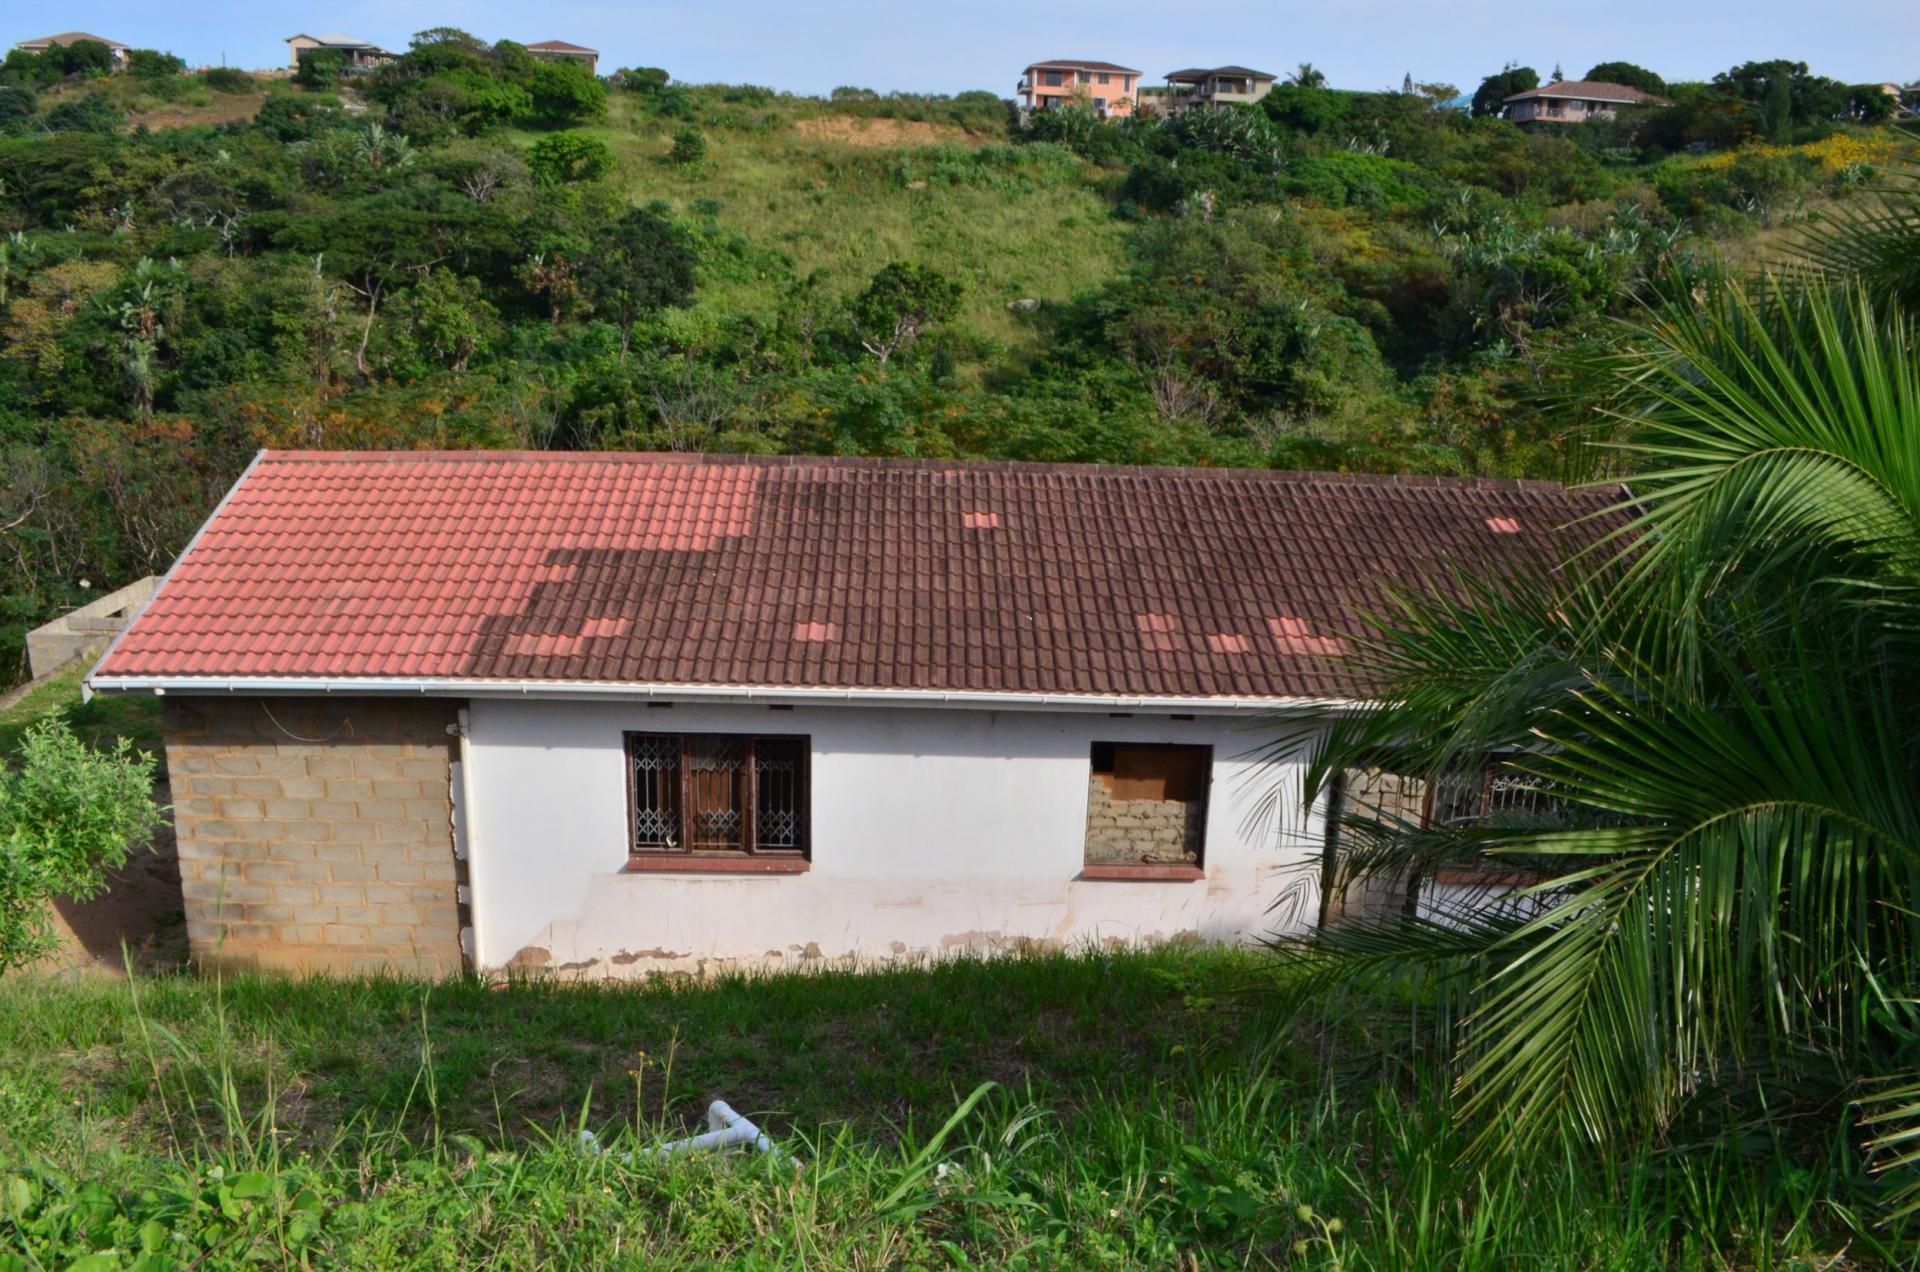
(717,794)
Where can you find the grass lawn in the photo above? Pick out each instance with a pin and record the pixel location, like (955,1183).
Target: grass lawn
(101,722)
(1146,1110)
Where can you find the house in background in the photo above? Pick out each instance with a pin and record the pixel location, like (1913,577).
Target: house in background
(45,42)
(1216,89)
(1110,91)
(1576,101)
(616,714)
(561,51)
(361,54)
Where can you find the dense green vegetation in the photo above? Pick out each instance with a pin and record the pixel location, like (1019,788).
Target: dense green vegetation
(1150,1110)
(471,247)
(1707,743)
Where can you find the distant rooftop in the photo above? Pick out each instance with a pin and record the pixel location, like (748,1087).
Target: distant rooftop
(1077,64)
(337,41)
(1196,74)
(68,37)
(560,46)
(1590,90)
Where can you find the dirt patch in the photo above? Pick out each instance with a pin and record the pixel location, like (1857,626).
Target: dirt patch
(849,130)
(226,108)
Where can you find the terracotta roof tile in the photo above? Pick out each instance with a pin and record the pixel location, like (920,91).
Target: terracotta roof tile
(796,572)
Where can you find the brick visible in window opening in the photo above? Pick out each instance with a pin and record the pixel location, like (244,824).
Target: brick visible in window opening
(1147,805)
(717,797)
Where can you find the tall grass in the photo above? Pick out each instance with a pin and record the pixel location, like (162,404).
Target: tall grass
(1112,1110)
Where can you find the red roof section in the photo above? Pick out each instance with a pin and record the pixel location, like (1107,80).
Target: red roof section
(801,572)
(560,46)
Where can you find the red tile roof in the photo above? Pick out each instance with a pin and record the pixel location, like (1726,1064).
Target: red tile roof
(825,573)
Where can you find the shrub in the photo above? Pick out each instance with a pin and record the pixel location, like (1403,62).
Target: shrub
(564,158)
(68,815)
(17,108)
(224,79)
(90,114)
(320,68)
(151,64)
(689,147)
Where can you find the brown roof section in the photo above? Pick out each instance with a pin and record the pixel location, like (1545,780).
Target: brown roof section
(820,573)
(560,46)
(1591,90)
(1076,64)
(66,38)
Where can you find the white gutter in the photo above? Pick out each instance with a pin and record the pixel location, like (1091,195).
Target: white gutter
(454,687)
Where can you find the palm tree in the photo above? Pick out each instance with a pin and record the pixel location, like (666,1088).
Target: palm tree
(1307,75)
(1719,711)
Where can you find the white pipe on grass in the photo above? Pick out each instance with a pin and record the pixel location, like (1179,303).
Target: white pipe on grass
(725,1129)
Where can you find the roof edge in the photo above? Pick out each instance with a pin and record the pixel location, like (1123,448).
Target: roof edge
(796,695)
(701,459)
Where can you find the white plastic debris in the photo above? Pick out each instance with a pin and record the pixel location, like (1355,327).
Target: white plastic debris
(725,1129)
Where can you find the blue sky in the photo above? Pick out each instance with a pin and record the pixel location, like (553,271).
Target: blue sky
(908,44)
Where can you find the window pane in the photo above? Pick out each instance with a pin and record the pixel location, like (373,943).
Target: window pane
(656,791)
(716,772)
(779,815)
(1147,804)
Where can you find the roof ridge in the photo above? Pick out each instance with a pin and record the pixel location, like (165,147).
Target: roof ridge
(703,459)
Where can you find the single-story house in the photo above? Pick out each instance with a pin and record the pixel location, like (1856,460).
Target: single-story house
(1576,101)
(622,713)
(360,54)
(561,51)
(42,43)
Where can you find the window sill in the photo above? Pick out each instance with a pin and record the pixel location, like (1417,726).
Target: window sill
(1143,872)
(684,863)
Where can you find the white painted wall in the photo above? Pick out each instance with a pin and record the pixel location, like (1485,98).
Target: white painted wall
(932,830)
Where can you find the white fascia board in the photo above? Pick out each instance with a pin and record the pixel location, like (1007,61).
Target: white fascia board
(429,687)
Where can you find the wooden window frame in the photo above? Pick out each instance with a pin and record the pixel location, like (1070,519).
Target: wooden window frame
(750,857)
(1153,871)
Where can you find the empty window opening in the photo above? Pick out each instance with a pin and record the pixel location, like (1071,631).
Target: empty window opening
(717,794)
(1147,804)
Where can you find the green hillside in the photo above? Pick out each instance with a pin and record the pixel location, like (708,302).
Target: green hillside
(469,247)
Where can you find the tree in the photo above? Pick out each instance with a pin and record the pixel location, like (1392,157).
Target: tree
(1307,75)
(82,57)
(1490,98)
(1632,76)
(1785,93)
(68,816)
(900,302)
(639,264)
(1711,723)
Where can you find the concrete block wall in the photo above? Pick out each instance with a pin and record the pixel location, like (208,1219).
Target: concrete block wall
(316,834)
(1139,830)
(1372,793)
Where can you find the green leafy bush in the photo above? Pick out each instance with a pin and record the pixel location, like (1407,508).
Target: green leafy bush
(1343,178)
(68,815)
(689,147)
(566,158)
(320,68)
(224,79)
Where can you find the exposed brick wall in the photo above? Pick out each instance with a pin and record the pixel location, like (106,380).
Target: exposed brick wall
(1139,830)
(316,834)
